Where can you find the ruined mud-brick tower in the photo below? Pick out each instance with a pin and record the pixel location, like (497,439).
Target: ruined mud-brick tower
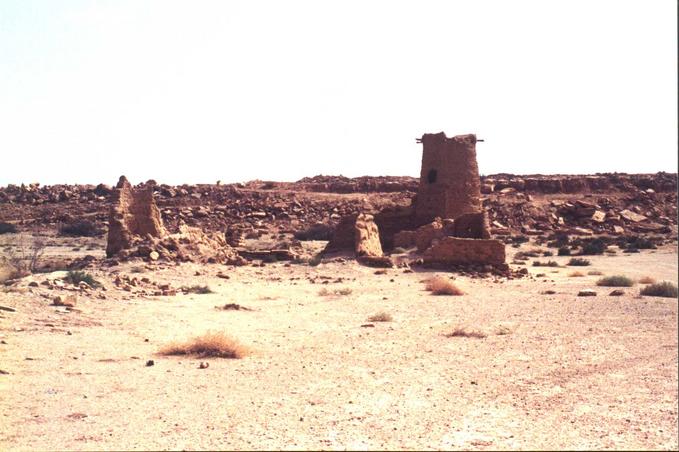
(449,179)
(133,213)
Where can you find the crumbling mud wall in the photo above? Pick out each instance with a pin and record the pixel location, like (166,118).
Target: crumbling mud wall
(454,250)
(447,205)
(367,237)
(133,214)
(472,226)
(449,177)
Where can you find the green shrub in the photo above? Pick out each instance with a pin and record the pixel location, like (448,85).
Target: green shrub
(662,289)
(615,281)
(75,277)
(7,228)
(578,262)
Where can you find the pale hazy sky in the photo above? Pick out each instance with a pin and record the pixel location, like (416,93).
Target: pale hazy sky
(196,91)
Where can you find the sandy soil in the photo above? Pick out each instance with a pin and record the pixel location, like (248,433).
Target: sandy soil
(571,372)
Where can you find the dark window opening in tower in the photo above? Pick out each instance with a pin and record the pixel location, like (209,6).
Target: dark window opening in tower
(431,177)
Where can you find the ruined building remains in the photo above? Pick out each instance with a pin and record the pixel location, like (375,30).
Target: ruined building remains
(445,220)
(449,178)
(133,213)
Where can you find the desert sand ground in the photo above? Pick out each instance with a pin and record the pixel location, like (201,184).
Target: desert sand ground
(569,372)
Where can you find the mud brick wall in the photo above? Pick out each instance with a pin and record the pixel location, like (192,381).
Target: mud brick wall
(453,250)
(133,213)
(449,178)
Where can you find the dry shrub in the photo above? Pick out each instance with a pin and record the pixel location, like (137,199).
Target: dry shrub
(197,289)
(661,289)
(646,280)
(578,262)
(545,264)
(466,332)
(380,317)
(594,273)
(615,281)
(442,286)
(324,292)
(502,330)
(209,345)
(233,307)
(576,274)
(23,258)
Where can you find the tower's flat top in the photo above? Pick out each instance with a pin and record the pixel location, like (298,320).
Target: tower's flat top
(441,136)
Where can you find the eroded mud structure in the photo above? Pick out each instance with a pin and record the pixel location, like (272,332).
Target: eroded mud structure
(133,213)
(449,178)
(445,220)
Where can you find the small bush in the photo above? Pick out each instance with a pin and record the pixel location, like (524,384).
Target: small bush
(560,240)
(518,239)
(545,264)
(547,253)
(209,345)
(615,281)
(578,262)
(380,317)
(7,228)
(594,273)
(324,292)
(526,254)
(75,277)
(233,307)
(646,280)
(80,228)
(442,286)
(638,243)
(564,251)
(465,332)
(197,289)
(576,274)
(593,247)
(318,231)
(661,289)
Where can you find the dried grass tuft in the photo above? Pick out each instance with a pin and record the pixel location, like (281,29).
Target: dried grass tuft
(380,317)
(466,332)
(442,286)
(208,345)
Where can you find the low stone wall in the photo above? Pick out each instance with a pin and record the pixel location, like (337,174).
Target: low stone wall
(453,250)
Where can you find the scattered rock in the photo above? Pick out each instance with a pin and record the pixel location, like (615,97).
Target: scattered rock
(68,301)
